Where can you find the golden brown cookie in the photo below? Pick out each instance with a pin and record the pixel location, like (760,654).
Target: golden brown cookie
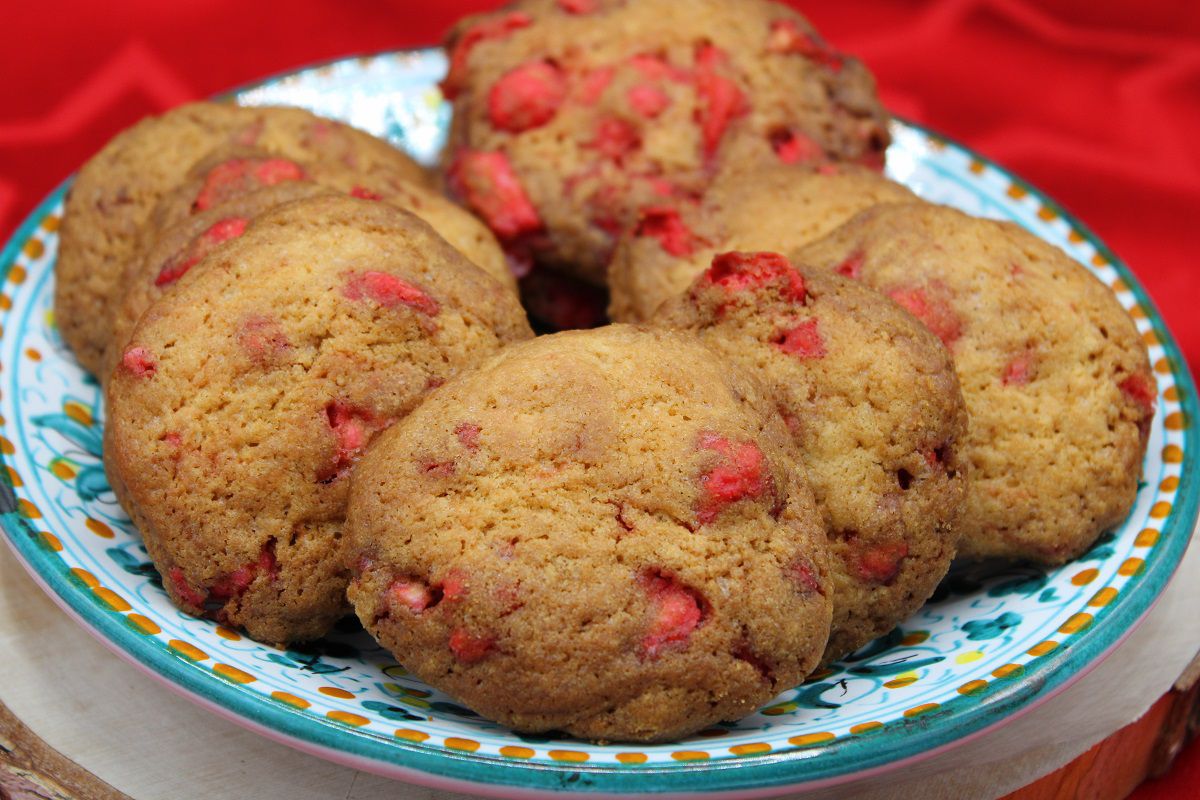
(572,117)
(246,394)
(871,399)
(601,532)
(174,250)
(114,193)
(228,173)
(774,208)
(1056,379)
(180,234)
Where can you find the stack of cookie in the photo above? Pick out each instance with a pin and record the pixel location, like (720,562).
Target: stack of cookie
(262,291)
(817,391)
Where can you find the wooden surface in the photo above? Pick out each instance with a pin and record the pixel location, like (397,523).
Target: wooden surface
(119,725)
(1114,768)
(32,770)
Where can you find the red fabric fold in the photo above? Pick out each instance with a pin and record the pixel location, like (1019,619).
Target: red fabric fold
(1096,103)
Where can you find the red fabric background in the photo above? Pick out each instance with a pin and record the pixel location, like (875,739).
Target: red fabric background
(1097,103)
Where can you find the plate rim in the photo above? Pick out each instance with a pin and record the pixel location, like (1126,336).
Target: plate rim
(766,774)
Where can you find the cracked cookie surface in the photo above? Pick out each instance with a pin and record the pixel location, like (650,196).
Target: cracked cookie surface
(569,122)
(1056,378)
(873,403)
(600,532)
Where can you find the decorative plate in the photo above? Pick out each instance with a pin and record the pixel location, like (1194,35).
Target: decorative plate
(991,643)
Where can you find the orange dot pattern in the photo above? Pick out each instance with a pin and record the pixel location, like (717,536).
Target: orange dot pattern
(1085,577)
(187,650)
(808,739)
(291,699)
(78,412)
(62,470)
(234,674)
(510,751)
(99,528)
(346,718)
(144,625)
(228,634)
(112,599)
(1132,566)
(924,708)
(1147,538)
(89,580)
(1043,648)
(900,683)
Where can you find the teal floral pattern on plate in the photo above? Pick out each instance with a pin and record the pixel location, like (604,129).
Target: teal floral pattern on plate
(992,641)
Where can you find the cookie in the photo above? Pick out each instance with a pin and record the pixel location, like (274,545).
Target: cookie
(774,208)
(872,401)
(599,532)
(1055,376)
(571,118)
(187,235)
(229,172)
(169,254)
(247,393)
(114,193)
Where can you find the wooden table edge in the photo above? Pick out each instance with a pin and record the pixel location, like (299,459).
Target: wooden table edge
(30,769)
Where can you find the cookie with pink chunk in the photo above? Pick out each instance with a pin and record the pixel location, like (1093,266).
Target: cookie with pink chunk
(872,401)
(230,173)
(173,251)
(1055,376)
(572,118)
(774,208)
(183,234)
(600,532)
(111,198)
(247,393)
